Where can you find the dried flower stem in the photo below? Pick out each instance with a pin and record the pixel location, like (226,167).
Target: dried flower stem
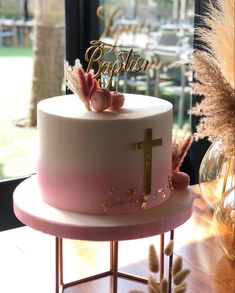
(169,248)
(177,265)
(153,259)
(179,277)
(182,288)
(215,75)
(180,145)
(153,285)
(164,286)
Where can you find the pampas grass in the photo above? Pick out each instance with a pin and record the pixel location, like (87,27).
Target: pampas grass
(153,259)
(80,82)
(179,277)
(153,285)
(218,35)
(178,273)
(177,265)
(214,75)
(181,288)
(164,286)
(169,248)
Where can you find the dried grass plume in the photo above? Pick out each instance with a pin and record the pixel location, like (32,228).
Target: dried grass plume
(218,34)
(214,75)
(163,285)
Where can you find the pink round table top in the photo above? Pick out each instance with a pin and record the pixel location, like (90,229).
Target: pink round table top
(33,212)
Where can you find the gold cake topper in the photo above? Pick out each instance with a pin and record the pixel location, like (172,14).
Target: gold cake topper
(86,84)
(126,61)
(147,146)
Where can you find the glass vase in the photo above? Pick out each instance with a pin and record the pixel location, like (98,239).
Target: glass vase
(216,174)
(224,223)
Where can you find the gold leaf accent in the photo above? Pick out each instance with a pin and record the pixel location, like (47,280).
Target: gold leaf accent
(105,206)
(119,200)
(145,197)
(113,189)
(131,192)
(143,205)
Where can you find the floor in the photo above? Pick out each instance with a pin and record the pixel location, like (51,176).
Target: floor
(27,259)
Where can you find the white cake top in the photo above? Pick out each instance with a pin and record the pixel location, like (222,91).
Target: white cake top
(135,107)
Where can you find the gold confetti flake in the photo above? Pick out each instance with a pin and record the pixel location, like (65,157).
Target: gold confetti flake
(121,196)
(163,194)
(119,200)
(145,197)
(113,189)
(131,192)
(143,205)
(169,183)
(105,206)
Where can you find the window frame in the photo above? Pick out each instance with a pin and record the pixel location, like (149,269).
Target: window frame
(82,25)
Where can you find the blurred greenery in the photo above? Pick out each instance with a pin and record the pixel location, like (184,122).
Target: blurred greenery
(17,144)
(13,9)
(14,52)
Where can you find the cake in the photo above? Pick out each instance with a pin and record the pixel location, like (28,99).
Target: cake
(114,162)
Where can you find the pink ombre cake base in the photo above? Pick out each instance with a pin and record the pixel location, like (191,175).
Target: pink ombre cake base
(31,210)
(107,194)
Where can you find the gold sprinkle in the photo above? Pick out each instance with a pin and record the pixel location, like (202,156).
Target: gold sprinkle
(113,189)
(105,206)
(119,200)
(131,194)
(133,197)
(170,184)
(145,197)
(144,205)
(163,194)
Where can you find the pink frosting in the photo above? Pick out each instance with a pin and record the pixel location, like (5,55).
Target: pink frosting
(77,192)
(101,99)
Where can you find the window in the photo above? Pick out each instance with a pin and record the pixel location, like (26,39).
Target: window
(25,78)
(32,42)
(162,32)
(81,25)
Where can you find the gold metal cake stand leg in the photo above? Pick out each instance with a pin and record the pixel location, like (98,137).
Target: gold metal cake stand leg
(59,265)
(114,273)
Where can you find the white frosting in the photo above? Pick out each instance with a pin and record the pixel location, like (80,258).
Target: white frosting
(83,155)
(135,107)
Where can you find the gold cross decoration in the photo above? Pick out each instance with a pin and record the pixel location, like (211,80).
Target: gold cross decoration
(147,146)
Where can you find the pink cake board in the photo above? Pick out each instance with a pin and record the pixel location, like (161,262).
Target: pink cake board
(32,211)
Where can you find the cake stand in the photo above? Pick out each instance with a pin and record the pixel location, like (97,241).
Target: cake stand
(32,211)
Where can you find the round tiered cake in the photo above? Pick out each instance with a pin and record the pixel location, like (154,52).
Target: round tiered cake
(105,163)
